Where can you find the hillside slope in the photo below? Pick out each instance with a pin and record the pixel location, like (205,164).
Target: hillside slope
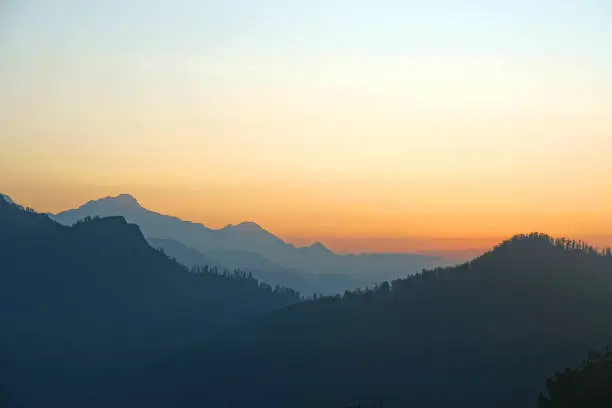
(262,269)
(96,295)
(481,334)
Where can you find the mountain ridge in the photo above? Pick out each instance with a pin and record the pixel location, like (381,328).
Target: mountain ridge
(77,300)
(7,198)
(251,237)
(487,332)
(304,282)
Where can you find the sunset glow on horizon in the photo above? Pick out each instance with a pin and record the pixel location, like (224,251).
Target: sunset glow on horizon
(390,127)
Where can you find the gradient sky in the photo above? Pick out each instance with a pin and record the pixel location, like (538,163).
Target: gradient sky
(361,123)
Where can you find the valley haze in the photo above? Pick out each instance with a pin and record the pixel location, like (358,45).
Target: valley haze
(248,246)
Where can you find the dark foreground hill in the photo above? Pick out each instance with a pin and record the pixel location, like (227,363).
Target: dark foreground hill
(482,334)
(95,296)
(588,386)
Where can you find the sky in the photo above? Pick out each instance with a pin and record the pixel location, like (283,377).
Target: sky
(368,125)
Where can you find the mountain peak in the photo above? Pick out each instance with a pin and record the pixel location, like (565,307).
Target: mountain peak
(317,247)
(113,227)
(248,226)
(127,200)
(6,198)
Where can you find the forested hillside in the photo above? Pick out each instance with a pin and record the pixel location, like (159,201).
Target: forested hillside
(94,316)
(94,297)
(481,334)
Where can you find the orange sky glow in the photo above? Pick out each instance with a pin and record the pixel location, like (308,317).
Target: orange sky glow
(363,130)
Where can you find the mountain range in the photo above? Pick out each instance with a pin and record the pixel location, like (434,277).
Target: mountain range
(92,315)
(260,267)
(482,334)
(76,300)
(310,269)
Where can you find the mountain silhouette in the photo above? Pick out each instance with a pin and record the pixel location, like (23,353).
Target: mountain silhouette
(183,254)
(261,268)
(363,269)
(317,249)
(481,334)
(6,198)
(78,300)
(92,315)
(587,386)
(246,227)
